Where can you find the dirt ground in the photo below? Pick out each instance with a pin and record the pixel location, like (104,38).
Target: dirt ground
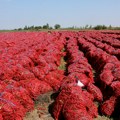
(41,111)
(42,108)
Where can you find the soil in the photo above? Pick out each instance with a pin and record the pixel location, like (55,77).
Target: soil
(42,108)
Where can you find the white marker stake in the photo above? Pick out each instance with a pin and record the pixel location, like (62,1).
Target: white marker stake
(79,83)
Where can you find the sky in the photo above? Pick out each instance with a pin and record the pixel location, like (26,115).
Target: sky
(18,13)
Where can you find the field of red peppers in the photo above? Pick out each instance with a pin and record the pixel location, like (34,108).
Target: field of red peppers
(30,66)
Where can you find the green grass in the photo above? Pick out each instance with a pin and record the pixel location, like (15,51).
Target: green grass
(62,65)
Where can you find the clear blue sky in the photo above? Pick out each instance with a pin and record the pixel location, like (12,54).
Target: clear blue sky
(18,13)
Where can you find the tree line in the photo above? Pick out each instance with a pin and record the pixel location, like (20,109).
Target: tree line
(58,26)
(97,27)
(47,26)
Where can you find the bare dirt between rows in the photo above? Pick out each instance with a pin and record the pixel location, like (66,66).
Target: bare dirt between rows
(41,111)
(42,106)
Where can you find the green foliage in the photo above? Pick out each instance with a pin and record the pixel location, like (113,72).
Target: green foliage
(25,28)
(90,27)
(116,28)
(19,29)
(57,26)
(38,27)
(100,27)
(86,27)
(110,27)
(31,27)
(46,26)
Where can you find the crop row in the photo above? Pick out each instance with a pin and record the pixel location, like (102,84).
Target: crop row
(104,38)
(106,47)
(74,102)
(29,63)
(108,67)
(28,68)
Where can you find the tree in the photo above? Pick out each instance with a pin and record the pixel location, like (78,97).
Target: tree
(25,28)
(86,27)
(100,27)
(104,27)
(31,27)
(90,27)
(110,27)
(38,27)
(46,26)
(57,26)
(19,29)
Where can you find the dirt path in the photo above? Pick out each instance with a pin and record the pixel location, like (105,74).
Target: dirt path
(41,111)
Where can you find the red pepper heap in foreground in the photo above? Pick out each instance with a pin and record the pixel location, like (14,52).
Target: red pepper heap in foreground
(29,64)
